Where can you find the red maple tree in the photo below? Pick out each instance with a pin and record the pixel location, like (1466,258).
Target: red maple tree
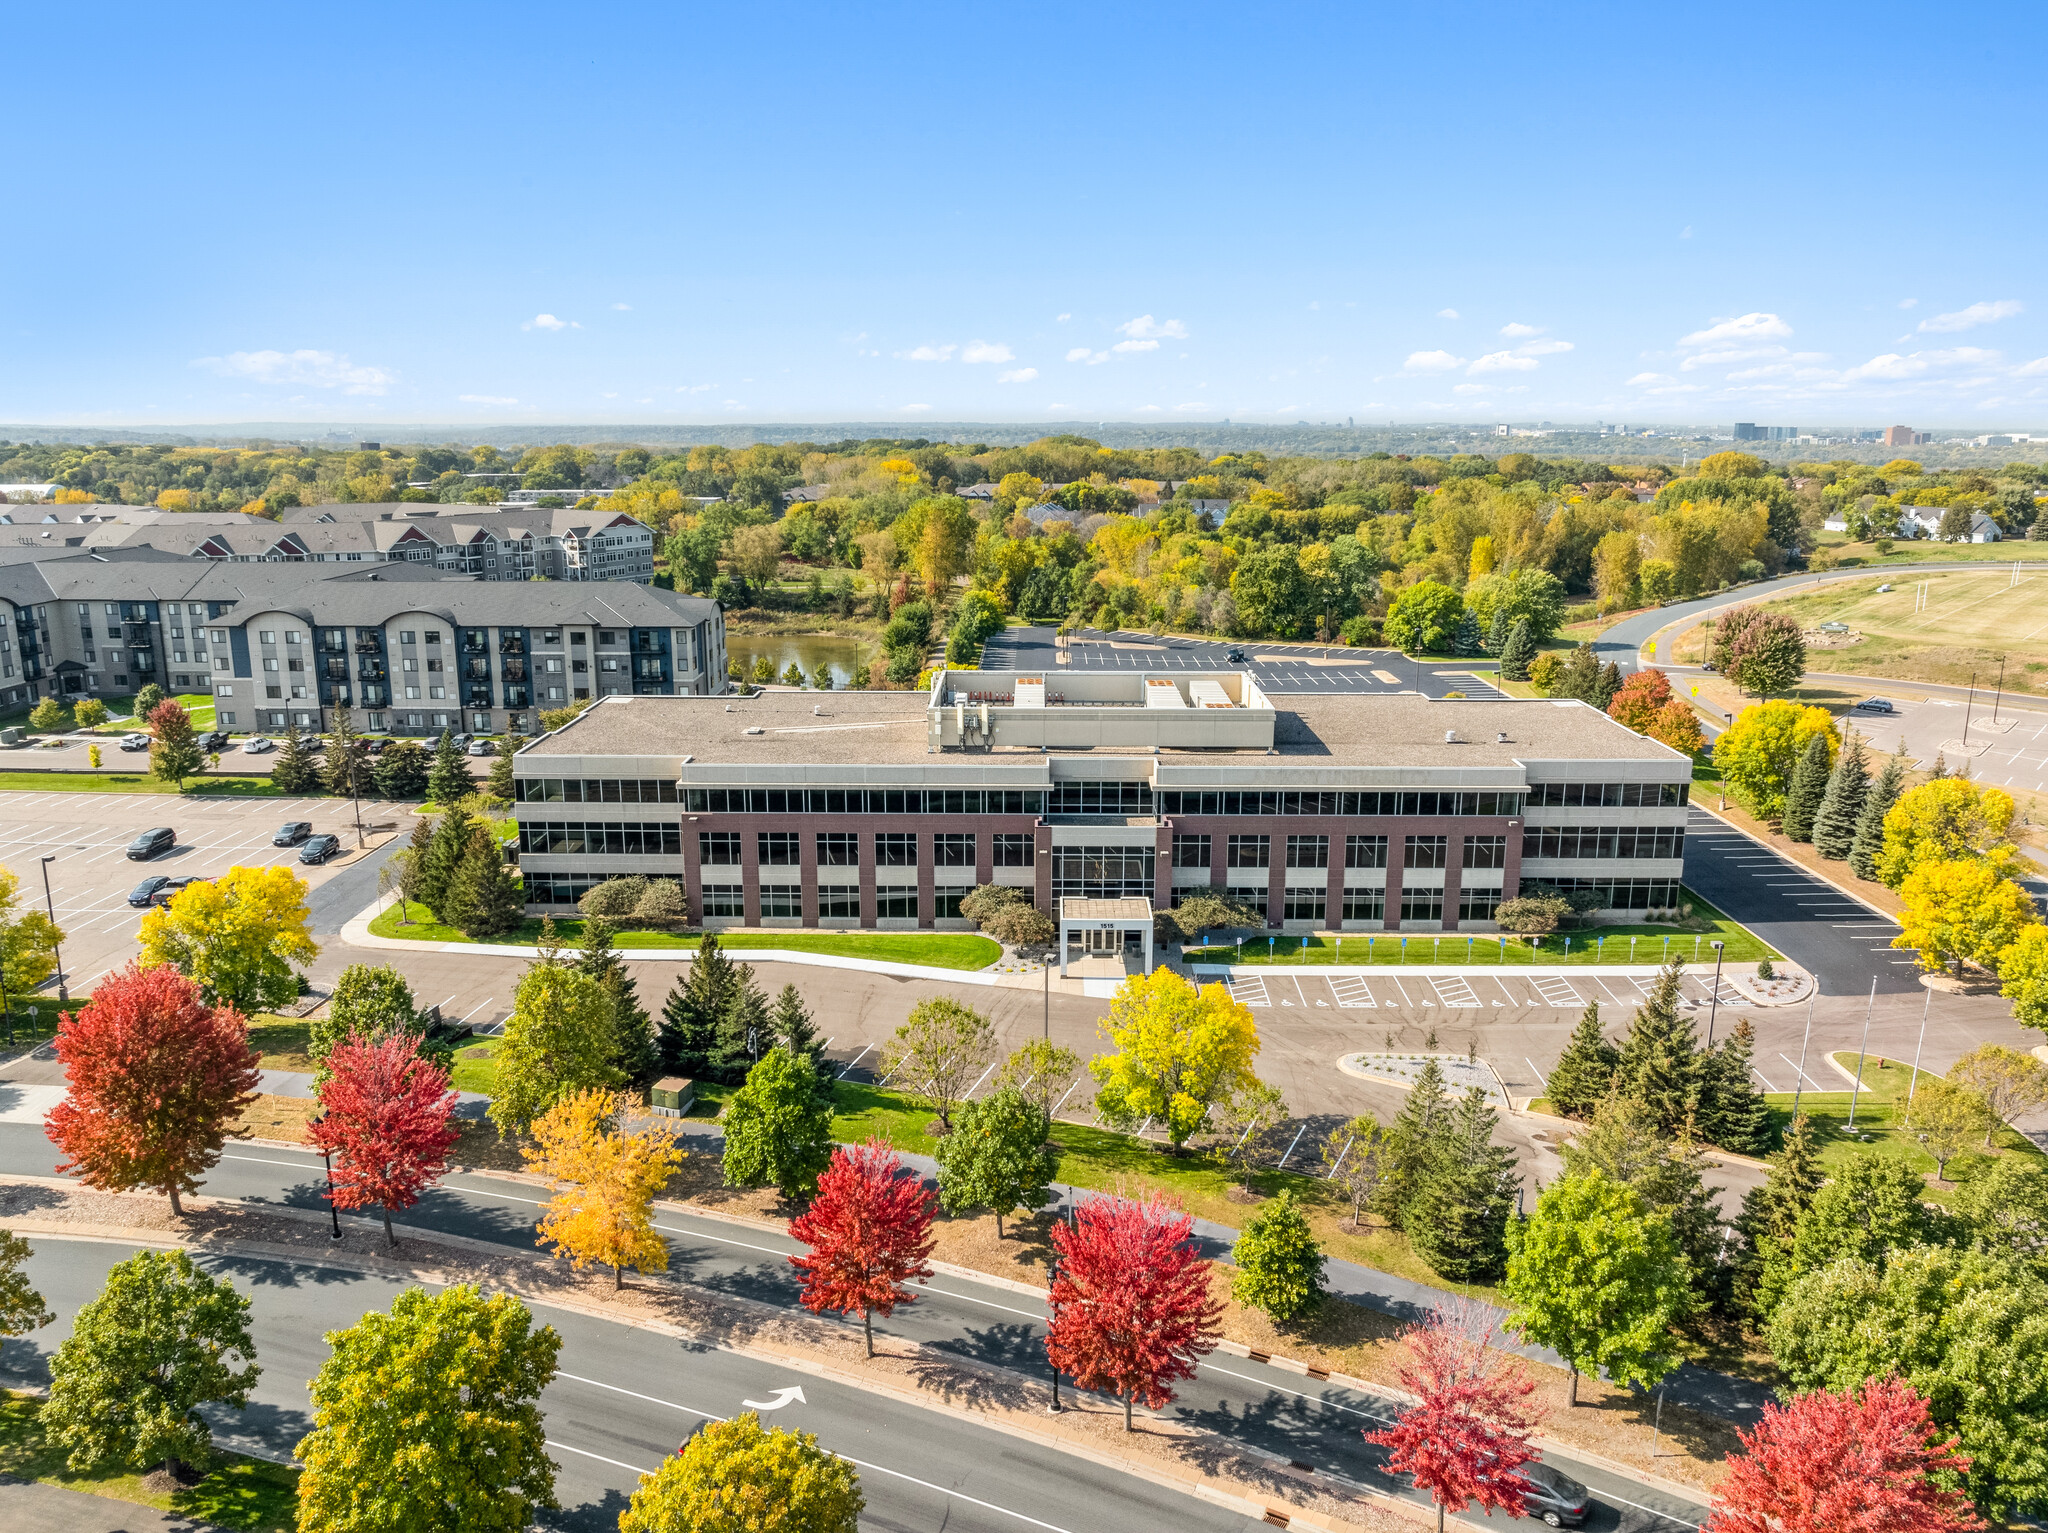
(1639,697)
(1468,1433)
(385,1119)
(1844,1463)
(1131,1309)
(157,1077)
(869,1230)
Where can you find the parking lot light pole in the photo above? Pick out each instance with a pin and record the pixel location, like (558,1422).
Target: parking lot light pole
(327,1160)
(63,992)
(1714,1000)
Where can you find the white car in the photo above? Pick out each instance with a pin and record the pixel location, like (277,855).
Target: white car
(483,748)
(135,742)
(256,745)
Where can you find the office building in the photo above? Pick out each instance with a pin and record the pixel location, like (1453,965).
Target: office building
(410,650)
(879,809)
(1906,436)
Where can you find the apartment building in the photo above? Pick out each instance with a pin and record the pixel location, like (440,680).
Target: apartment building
(409,649)
(878,809)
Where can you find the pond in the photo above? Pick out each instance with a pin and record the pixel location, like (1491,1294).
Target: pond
(807,651)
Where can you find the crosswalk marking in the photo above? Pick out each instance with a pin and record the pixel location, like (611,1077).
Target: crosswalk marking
(1453,990)
(1352,992)
(1250,991)
(1556,991)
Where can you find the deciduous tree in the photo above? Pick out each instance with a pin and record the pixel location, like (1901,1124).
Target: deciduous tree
(1762,651)
(938,1053)
(1961,912)
(1868,1459)
(2012,1084)
(1241,1121)
(1625,1144)
(1131,1311)
(1950,819)
(1639,697)
(1424,617)
(1677,726)
(1354,1159)
(174,753)
(734,1474)
(2023,975)
(1946,1117)
(1042,1071)
(156,1080)
(160,1341)
(869,1233)
(1757,752)
(778,1128)
(427,1420)
(28,941)
(558,1041)
(235,936)
(1279,1264)
(1868,1208)
(386,1118)
(21,1308)
(605,1183)
(998,1157)
(368,1001)
(1179,1050)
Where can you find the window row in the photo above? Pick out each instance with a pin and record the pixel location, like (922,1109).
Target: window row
(595,790)
(1193,851)
(619,840)
(785,902)
(841,849)
(1622,893)
(863,801)
(1187,801)
(1605,841)
(1609,795)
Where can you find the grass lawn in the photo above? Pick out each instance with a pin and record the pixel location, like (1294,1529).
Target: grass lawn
(131,782)
(937,950)
(121,712)
(1880,1119)
(282,1041)
(1640,944)
(241,1493)
(476,1067)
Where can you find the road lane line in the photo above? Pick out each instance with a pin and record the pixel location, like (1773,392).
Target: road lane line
(582,1453)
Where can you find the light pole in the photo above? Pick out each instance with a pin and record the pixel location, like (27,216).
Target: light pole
(1800,1085)
(327,1160)
(1052,1281)
(63,993)
(1714,1000)
(1856,1086)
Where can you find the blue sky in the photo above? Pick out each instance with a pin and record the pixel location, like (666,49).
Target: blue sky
(1817,215)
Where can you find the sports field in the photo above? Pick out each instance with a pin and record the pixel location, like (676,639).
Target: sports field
(1942,627)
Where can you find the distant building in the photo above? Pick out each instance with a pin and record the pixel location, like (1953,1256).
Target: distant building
(1749,431)
(806,492)
(30,492)
(1906,436)
(982,491)
(1925,522)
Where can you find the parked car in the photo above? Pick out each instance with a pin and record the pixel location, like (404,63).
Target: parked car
(215,740)
(135,742)
(482,748)
(152,843)
(256,745)
(172,887)
(319,849)
(1557,1498)
(460,742)
(143,895)
(376,745)
(292,832)
(1876,705)
(313,743)
(1233,656)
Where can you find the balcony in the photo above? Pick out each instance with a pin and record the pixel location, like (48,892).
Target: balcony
(338,694)
(373,670)
(477,695)
(336,668)
(369,646)
(477,670)
(511,644)
(375,696)
(136,634)
(650,670)
(515,670)
(515,697)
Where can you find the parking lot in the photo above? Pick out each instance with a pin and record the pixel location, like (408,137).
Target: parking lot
(88,834)
(1419,990)
(1279,668)
(71,753)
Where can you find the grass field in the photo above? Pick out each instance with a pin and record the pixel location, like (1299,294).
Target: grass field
(1963,624)
(938,950)
(1919,551)
(133,782)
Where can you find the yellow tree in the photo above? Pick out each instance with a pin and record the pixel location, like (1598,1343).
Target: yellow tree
(603,1208)
(1961,912)
(1947,820)
(28,942)
(1179,1049)
(236,937)
(1757,752)
(2011,1083)
(1482,560)
(2023,976)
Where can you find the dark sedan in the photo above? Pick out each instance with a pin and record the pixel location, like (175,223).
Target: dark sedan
(1557,1498)
(143,895)
(319,849)
(292,832)
(171,888)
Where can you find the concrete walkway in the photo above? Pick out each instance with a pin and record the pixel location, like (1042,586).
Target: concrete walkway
(48,1509)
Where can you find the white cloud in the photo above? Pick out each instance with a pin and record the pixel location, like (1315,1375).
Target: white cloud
(1729,354)
(1193,404)
(549,322)
(1130,346)
(693,388)
(915,409)
(1083,354)
(1892,367)
(1641,379)
(2033,369)
(1502,362)
(928,354)
(1431,362)
(1909,303)
(1062,318)
(1056,405)
(1145,327)
(493,399)
(1750,327)
(1446,313)
(1017,375)
(987,351)
(623,308)
(1146,410)
(1543,348)
(1472,388)
(1513,329)
(1976,314)
(303,368)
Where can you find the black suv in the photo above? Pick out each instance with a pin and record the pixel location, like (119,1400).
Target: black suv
(215,740)
(152,843)
(319,849)
(1233,656)
(292,832)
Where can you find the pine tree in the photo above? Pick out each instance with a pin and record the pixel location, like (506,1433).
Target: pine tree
(637,1058)
(1659,1060)
(444,856)
(1584,1073)
(485,898)
(1834,827)
(689,1018)
(401,771)
(1806,791)
(1733,1113)
(501,783)
(745,1030)
(1517,651)
(1459,1222)
(791,1023)
(1770,1220)
(1581,678)
(345,771)
(449,780)
(1625,1143)
(1877,803)
(1415,1145)
(1608,684)
(293,771)
(1465,638)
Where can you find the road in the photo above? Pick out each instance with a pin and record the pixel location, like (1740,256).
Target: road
(1273,1412)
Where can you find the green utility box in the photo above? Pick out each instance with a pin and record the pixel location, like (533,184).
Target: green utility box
(672,1095)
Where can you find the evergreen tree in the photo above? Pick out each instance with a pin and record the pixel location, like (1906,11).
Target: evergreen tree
(1415,1145)
(690,1017)
(1834,827)
(485,898)
(1625,1143)
(1465,638)
(449,778)
(1770,1220)
(1605,688)
(1584,1073)
(1806,791)
(1517,651)
(501,784)
(746,1031)
(1581,676)
(444,856)
(637,1058)
(401,772)
(293,771)
(1732,1111)
(791,1023)
(1877,803)
(346,771)
(1458,1222)
(1659,1060)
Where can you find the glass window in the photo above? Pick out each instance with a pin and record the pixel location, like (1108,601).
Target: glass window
(1191,851)
(1422,909)
(896,904)
(1304,904)
(724,902)
(1250,851)
(264,635)
(946,903)
(1365,852)
(1424,852)
(1486,851)
(895,849)
(838,849)
(1478,904)
(779,848)
(405,636)
(1102,872)
(720,848)
(1015,851)
(839,903)
(953,849)
(1308,851)
(1365,905)
(781,902)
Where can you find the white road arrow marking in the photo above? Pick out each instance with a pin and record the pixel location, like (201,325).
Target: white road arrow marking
(780,1398)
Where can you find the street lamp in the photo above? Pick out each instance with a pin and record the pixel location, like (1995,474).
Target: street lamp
(63,993)
(1052,1282)
(1714,1001)
(327,1160)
